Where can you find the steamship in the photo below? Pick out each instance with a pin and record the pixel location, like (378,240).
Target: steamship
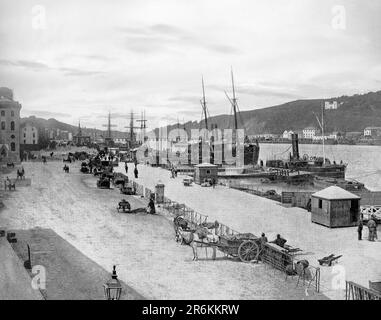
(318,166)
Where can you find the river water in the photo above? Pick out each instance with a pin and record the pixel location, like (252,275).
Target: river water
(364,162)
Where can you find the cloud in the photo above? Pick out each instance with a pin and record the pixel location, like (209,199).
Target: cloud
(164,37)
(38,66)
(47,114)
(25,63)
(79,72)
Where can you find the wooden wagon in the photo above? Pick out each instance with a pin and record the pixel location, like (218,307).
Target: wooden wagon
(244,246)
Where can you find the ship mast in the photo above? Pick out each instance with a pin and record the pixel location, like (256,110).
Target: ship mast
(322,130)
(234,100)
(203,104)
(321,124)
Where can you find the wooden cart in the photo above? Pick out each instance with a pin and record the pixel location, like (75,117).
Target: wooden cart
(245,246)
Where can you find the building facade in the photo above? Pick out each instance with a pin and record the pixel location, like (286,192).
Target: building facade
(372,132)
(330,105)
(9,127)
(29,134)
(309,133)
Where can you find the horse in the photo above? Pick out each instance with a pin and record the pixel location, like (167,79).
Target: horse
(179,222)
(199,238)
(20,174)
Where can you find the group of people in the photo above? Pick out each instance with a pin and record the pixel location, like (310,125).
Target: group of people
(372,229)
(279,241)
(20,173)
(9,184)
(136,171)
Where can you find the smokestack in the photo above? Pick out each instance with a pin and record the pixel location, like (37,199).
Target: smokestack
(295,146)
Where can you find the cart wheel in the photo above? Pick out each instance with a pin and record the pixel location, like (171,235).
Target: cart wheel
(248,250)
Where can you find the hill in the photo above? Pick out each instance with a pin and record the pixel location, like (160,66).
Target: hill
(354,113)
(51,123)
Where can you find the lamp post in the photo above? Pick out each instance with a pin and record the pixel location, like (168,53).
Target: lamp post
(113,288)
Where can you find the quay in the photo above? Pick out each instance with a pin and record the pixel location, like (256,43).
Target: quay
(249,213)
(142,246)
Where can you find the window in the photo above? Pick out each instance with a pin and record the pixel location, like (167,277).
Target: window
(2,125)
(12,113)
(3,113)
(13,126)
(24,135)
(320,204)
(24,141)
(34,142)
(13,146)
(34,135)
(207,171)
(13,136)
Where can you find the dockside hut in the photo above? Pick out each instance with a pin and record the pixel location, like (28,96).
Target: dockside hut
(205,171)
(335,207)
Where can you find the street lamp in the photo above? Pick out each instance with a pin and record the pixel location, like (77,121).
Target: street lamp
(113,288)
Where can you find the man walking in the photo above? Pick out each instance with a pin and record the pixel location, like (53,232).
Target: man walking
(136,172)
(371,227)
(126,167)
(359,230)
(151,206)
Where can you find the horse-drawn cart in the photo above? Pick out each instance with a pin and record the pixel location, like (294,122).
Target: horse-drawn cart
(244,246)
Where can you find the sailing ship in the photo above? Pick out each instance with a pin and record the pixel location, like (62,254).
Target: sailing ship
(209,147)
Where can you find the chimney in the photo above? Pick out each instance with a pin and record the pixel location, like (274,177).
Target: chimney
(295,146)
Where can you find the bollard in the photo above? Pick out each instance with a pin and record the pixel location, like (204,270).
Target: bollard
(159,192)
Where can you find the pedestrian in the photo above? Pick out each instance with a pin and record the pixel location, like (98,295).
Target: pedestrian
(136,172)
(263,240)
(359,230)
(371,228)
(279,241)
(126,167)
(151,207)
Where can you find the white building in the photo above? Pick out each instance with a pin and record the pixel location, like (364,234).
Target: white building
(29,134)
(332,136)
(330,105)
(309,133)
(120,140)
(287,134)
(370,132)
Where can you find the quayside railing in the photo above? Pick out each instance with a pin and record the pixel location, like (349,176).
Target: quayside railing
(354,291)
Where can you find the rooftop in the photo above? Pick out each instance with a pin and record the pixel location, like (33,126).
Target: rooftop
(335,193)
(205,165)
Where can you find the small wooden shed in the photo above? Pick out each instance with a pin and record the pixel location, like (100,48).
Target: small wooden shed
(335,207)
(205,171)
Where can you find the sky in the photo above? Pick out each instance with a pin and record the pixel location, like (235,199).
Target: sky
(78,60)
